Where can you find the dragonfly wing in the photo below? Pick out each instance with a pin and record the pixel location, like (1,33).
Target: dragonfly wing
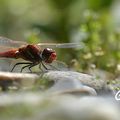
(57,65)
(10,43)
(61,45)
(5,48)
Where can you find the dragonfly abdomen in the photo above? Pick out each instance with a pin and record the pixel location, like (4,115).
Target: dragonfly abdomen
(9,54)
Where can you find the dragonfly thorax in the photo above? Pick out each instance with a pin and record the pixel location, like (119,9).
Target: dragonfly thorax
(48,55)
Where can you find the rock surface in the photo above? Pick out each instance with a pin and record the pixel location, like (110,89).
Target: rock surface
(72,96)
(64,81)
(36,106)
(70,78)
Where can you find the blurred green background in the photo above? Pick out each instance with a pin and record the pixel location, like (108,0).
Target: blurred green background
(94,23)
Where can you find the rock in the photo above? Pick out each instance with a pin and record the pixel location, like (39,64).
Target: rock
(36,106)
(71,86)
(84,79)
(8,79)
(65,81)
(86,108)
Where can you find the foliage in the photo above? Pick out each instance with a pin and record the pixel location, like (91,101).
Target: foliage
(102,47)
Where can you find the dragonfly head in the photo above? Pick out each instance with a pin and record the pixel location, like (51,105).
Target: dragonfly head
(48,55)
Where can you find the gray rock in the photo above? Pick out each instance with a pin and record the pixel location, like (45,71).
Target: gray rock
(71,86)
(84,79)
(36,106)
(86,108)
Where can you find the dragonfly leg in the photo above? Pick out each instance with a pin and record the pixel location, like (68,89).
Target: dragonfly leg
(25,67)
(32,65)
(30,68)
(44,66)
(40,67)
(19,64)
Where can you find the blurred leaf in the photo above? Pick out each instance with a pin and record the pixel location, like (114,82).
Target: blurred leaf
(62,4)
(99,4)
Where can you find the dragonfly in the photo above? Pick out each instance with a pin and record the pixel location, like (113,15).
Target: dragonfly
(32,53)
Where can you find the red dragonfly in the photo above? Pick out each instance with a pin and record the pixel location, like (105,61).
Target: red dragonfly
(31,52)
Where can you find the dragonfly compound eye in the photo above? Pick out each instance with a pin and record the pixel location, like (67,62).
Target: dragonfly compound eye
(48,55)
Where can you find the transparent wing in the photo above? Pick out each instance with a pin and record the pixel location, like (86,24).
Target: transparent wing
(10,43)
(57,65)
(61,45)
(6,44)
